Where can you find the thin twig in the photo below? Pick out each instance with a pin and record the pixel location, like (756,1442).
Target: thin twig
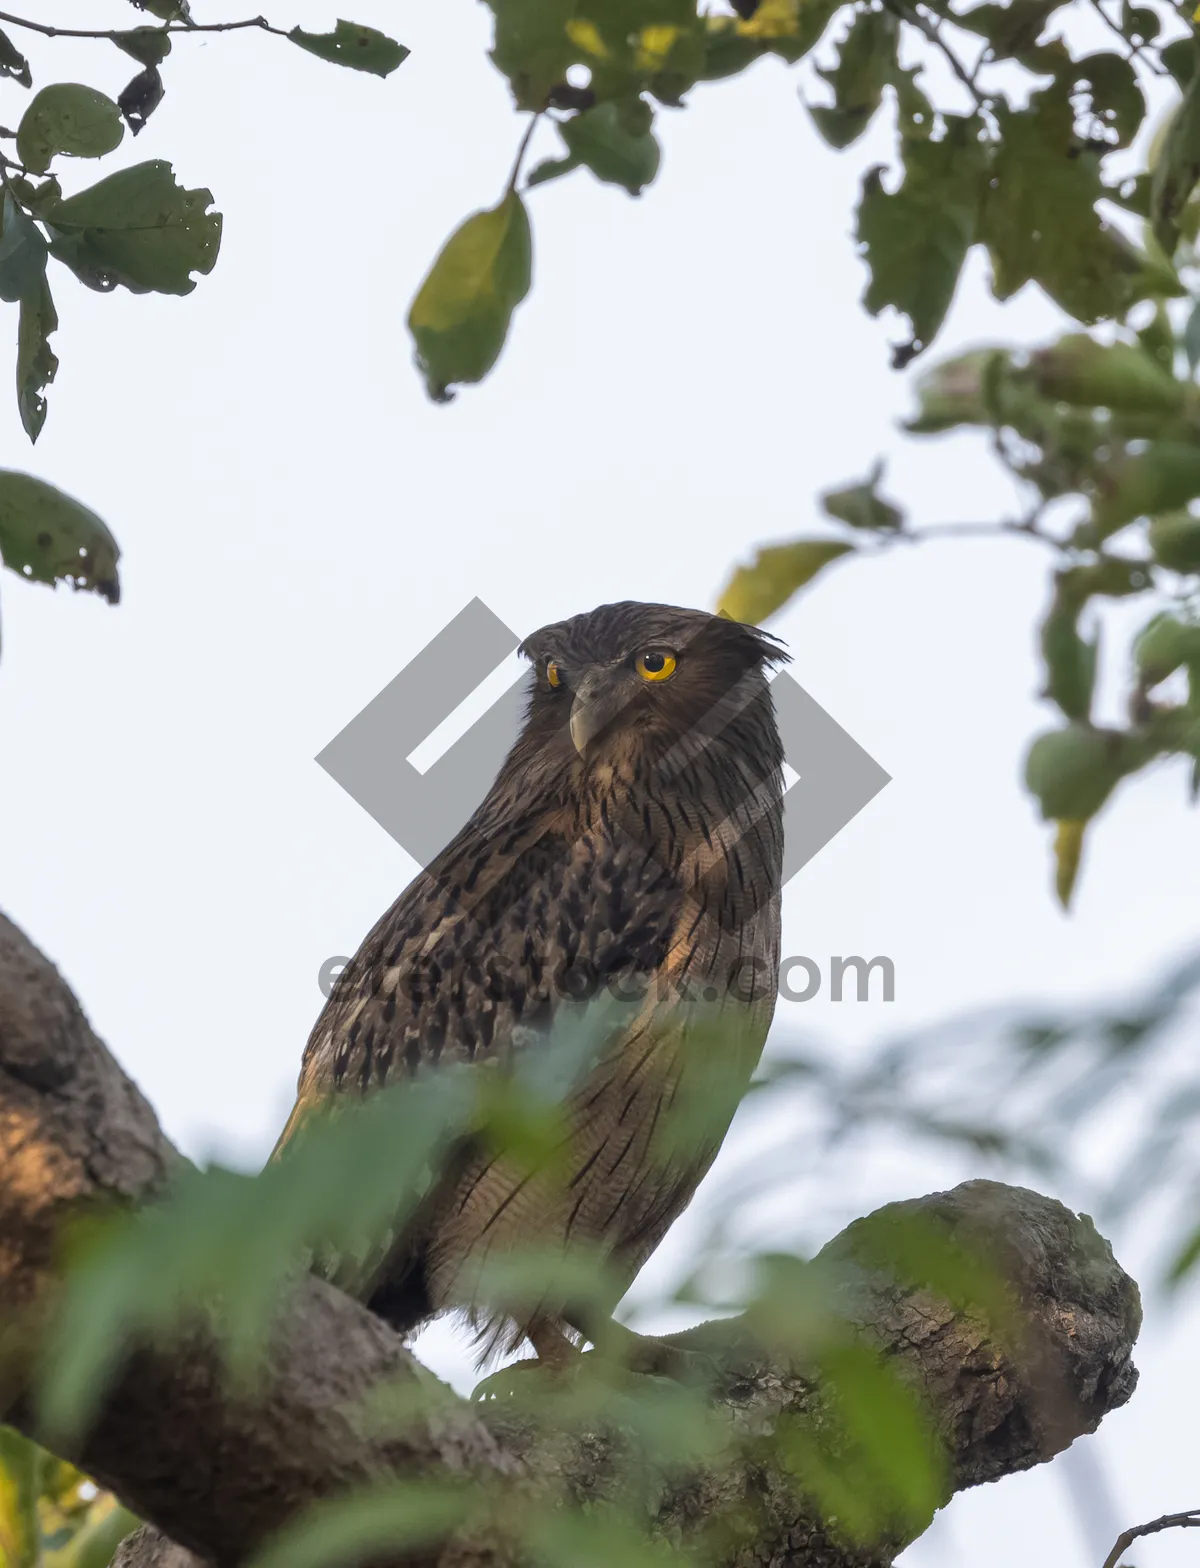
(1185,1521)
(111,33)
(915,18)
(1135,50)
(1004,528)
(521,150)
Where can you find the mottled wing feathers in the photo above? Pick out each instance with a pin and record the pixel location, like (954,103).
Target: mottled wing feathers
(481,950)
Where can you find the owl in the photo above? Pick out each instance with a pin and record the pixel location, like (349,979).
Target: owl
(624,866)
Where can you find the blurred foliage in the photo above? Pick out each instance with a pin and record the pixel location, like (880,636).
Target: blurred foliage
(52,1516)
(1102,437)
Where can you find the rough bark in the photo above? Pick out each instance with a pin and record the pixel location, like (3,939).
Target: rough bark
(218,1475)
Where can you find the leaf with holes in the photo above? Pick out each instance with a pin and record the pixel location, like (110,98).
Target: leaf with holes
(50,538)
(67,118)
(1040,224)
(137,228)
(13,63)
(36,360)
(350,43)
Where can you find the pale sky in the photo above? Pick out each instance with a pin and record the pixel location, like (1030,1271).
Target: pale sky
(297,521)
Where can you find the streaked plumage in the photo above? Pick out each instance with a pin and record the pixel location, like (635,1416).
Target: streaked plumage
(633,832)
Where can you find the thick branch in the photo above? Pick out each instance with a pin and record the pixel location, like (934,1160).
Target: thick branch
(219,1475)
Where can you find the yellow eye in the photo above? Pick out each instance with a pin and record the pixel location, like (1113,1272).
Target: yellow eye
(656,664)
(553,674)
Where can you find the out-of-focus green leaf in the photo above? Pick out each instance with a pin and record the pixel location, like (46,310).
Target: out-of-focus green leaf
(862,506)
(1163,645)
(1071,772)
(1070,660)
(20,1488)
(1040,224)
(48,538)
(13,63)
(352,44)
(147,45)
(368,1525)
(1079,370)
(1110,84)
(69,118)
(1010,29)
(1175,540)
(557,1538)
(1162,478)
(23,252)
(614,141)
(460,317)
(955,392)
(917,239)
(866,62)
(137,228)
(1068,854)
(1175,173)
(756,591)
(36,360)
(875,1466)
(532,47)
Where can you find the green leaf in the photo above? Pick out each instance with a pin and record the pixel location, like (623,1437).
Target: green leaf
(461,314)
(1040,224)
(1175,541)
(352,44)
(1010,29)
(1071,772)
(147,45)
(916,240)
(614,141)
(955,392)
(1163,645)
(36,360)
(756,591)
(166,10)
(862,506)
(367,1526)
(1176,170)
(23,252)
(866,63)
(21,1464)
(48,537)
(1163,477)
(550,169)
(67,118)
(13,63)
(137,228)
(1070,660)
(1110,84)
(1118,376)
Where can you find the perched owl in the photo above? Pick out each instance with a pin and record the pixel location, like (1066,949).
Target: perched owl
(629,852)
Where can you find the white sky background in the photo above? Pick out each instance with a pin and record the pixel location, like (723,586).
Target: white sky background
(297,521)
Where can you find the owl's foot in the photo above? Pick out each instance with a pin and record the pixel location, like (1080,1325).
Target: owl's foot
(651,1357)
(557,1357)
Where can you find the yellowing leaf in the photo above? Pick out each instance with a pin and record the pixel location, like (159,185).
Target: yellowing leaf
(756,591)
(460,317)
(585,35)
(1068,850)
(653,46)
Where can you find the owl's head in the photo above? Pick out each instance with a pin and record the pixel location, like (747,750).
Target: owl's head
(628,679)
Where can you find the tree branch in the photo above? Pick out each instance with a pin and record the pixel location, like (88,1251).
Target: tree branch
(218,1474)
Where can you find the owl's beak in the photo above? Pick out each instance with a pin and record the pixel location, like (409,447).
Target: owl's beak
(598,702)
